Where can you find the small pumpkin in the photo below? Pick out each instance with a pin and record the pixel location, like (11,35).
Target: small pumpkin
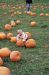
(12,23)
(2,35)
(4,70)
(28,34)
(15,13)
(1,61)
(41,14)
(7,27)
(13,39)
(34,14)
(15,56)
(31,13)
(9,35)
(19,7)
(4,52)
(47,14)
(18,21)
(31,43)
(33,23)
(18,12)
(20,43)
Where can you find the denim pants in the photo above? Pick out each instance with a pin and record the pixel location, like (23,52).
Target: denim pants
(28,6)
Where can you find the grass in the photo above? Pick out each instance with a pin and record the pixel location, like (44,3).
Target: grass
(35,61)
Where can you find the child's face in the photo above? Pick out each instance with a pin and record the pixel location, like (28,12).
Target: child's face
(20,33)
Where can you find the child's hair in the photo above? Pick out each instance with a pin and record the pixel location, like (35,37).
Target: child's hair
(20,30)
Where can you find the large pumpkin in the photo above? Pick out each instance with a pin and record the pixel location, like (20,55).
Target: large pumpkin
(28,34)
(9,35)
(31,43)
(12,23)
(2,35)
(15,56)
(4,52)
(33,23)
(20,43)
(13,39)
(4,70)
(1,61)
(7,27)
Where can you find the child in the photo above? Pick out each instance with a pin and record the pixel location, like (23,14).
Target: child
(21,35)
(28,2)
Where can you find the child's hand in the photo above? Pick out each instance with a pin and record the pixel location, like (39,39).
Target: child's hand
(23,40)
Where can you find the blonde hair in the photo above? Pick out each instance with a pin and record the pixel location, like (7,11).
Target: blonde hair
(20,30)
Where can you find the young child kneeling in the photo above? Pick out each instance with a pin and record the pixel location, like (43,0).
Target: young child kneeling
(21,35)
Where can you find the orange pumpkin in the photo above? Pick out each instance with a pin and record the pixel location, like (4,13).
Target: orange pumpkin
(20,43)
(33,23)
(12,23)
(15,56)
(18,22)
(9,35)
(7,27)
(2,35)
(47,14)
(1,61)
(13,39)
(28,34)
(4,70)
(31,13)
(41,14)
(34,14)
(31,43)
(4,52)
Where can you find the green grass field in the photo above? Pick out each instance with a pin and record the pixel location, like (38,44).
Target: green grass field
(35,61)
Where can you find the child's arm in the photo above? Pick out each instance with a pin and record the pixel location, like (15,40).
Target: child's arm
(25,37)
(17,37)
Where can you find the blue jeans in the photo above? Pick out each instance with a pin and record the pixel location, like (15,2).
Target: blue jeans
(28,6)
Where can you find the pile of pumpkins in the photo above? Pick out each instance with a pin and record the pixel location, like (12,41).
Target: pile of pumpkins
(30,43)
(11,24)
(15,56)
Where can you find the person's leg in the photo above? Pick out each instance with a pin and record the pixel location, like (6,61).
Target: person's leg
(28,6)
